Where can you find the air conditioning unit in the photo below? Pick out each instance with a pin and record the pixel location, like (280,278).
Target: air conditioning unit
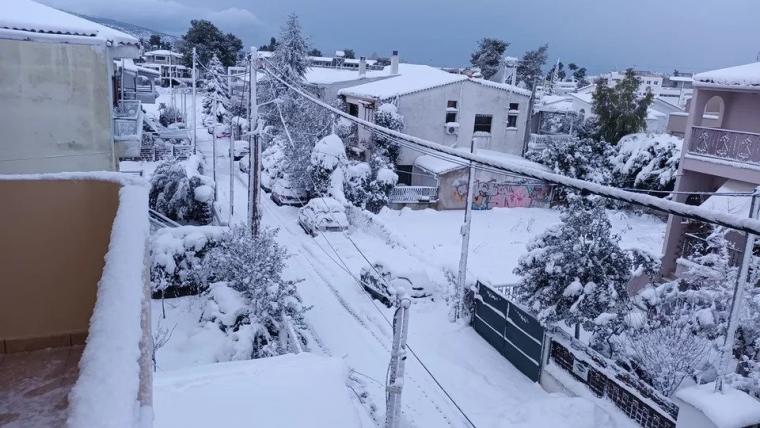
(452,128)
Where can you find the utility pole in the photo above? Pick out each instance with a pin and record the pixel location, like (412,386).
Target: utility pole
(738,298)
(395,381)
(213,155)
(465,232)
(171,83)
(195,125)
(232,149)
(531,101)
(254,167)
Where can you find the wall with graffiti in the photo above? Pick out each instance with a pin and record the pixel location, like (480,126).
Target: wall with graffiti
(496,193)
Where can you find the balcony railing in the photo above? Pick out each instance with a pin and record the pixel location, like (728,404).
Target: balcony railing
(695,245)
(413,194)
(725,144)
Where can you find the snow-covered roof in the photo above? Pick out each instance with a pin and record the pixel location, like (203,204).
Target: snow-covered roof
(555,103)
(503,86)
(680,78)
(512,159)
(734,205)
(321,75)
(438,164)
(411,78)
(163,52)
(586,97)
(130,65)
(728,409)
(286,391)
(741,76)
(28,16)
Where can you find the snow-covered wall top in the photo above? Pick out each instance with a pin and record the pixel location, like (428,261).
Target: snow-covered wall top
(30,16)
(729,409)
(106,392)
(745,76)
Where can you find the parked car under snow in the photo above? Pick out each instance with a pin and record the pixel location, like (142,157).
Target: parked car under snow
(323,214)
(285,192)
(387,287)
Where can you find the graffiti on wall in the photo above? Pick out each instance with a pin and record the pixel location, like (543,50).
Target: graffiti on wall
(497,194)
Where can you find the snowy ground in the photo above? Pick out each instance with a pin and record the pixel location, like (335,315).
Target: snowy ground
(346,324)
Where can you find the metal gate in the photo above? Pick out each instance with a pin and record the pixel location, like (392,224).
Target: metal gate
(516,334)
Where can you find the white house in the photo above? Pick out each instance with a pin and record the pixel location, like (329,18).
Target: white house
(439,106)
(57,90)
(168,64)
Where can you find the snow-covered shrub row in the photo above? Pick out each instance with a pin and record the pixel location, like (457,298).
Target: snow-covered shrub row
(250,301)
(183,197)
(646,161)
(178,259)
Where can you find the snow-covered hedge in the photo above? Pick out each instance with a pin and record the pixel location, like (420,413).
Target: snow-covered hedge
(177,259)
(181,193)
(646,161)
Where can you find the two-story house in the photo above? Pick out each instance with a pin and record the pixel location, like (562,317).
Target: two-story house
(721,154)
(169,66)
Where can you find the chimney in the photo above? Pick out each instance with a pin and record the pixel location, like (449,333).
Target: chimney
(394,62)
(362,67)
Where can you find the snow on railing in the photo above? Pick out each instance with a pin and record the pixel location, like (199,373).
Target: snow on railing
(413,194)
(540,141)
(127,120)
(725,144)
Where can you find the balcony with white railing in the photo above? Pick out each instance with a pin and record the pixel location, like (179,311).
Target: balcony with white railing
(725,145)
(127,120)
(413,195)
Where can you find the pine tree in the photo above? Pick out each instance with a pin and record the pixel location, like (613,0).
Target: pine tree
(216,102)
(488,56)
(576,272)
(209,41)
(328,161)
(619,109)
(291,52)
(529,69)
(387,116)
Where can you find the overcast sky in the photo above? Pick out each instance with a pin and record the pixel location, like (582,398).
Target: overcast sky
(690,35)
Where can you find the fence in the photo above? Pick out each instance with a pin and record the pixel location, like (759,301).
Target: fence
(725,144)
(413,194)
(162,153)
(637,400)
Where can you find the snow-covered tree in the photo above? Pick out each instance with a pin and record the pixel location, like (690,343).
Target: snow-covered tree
(576,272)
(530,67)
(328,161)
(216,102)
(488,56)
(252,302)
(619,109)
(367,185)
(358,176)
(387,116)
(179,197)
(646,161)
(575,157)
(291,52)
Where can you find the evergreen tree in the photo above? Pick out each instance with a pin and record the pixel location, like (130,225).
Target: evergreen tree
(579,74)
(576,272)
(209,41)
(315,52)
(387,116)
(328,160)
(619,109)
(269,47)
(576,157)
(488,56)
(530,66)
(290,55)
(216,102)
(349,54)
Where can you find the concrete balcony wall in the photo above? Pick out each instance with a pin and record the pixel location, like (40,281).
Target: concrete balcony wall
(53,241)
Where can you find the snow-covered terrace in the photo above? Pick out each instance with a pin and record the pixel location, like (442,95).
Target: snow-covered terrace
(26,19)
(74,300)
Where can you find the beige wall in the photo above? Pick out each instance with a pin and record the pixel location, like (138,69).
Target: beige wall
(53,241)
(55,107)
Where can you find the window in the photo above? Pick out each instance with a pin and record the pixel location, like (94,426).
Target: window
(451,104)
(512,121)
(451,117)
(514,106)
(451,111)
(353,109)
(483,123)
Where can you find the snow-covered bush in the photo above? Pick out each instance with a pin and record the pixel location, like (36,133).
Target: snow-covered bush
(646,161)
(576,272)
(168,115)
(380,188)
(251,302)
(328,160)
(387,116)
(583,158)
(181,198)
(368,185)
(177,259)
(358,175)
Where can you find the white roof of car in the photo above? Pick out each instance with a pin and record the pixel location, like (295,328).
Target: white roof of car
(325,204)
(28,16)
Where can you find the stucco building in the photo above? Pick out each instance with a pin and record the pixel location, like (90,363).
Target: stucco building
(721,153)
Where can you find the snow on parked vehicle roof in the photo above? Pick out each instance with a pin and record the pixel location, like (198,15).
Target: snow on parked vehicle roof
(326,203)
(746,76)
(30,16)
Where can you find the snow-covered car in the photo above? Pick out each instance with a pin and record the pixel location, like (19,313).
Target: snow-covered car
(323,214)
(386,286)
(240,149)
(285,192)
(221,130)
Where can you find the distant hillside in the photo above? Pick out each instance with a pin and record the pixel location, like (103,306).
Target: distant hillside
(132,29)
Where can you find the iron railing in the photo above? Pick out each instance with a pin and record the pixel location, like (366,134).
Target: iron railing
(695,245)
(162,153)
(413,194)
(127,120)
(725,144)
